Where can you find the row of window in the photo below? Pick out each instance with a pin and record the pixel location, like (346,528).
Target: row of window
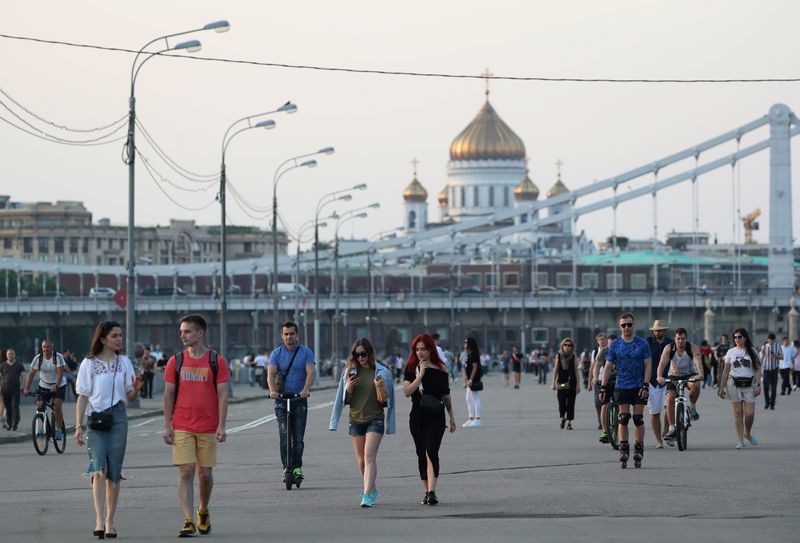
(588,280)
(461,197)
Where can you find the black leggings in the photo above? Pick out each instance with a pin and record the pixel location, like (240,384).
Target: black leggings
(786,381)
(427,433)
(566,403)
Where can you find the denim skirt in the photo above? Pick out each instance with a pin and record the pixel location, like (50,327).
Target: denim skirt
(107,449)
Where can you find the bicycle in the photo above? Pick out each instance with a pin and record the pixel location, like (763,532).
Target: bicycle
(612,422)
(683,421)
(43,429)
(288,476)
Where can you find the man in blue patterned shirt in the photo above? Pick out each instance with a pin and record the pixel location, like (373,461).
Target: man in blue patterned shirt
(631,356)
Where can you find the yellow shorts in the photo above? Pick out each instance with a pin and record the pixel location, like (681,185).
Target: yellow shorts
(190,448)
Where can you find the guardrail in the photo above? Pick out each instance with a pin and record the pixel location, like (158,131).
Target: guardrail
(411,301)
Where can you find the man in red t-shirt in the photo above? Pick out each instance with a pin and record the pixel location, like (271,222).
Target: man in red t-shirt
(194,419)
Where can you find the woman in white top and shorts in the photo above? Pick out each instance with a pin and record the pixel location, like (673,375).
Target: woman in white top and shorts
(741,381)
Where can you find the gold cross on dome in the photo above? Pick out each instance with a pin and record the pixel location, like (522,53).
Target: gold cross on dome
(487,75)
(558,167)
(414,164)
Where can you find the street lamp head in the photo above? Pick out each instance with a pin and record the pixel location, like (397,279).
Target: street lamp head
(191,46)
(288,107)
(309,164)
(268,124)
(376,205)
(360,186)
(361,215)
(326,151)
(345,197)
(322,224)
(334,216)
(218,26)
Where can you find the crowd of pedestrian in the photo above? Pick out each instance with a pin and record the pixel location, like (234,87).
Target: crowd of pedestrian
(626,370)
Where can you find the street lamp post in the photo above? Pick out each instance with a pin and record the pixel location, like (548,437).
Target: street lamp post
(191,47)
(233,130)
(359,213)
(311,223)
(336,195)
(285,166)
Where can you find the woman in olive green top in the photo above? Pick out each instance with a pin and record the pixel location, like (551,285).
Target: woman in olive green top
(367,387)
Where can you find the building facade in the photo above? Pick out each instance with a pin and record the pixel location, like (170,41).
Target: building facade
(63,232)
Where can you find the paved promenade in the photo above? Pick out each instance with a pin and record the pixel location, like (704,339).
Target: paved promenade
(518,478)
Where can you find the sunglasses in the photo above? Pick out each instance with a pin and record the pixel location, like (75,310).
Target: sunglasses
(626,325)
(738,337)
(359,354)
(568,345)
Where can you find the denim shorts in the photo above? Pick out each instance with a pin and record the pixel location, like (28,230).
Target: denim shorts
(359,430)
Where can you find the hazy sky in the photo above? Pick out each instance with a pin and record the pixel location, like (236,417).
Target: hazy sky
(378,124)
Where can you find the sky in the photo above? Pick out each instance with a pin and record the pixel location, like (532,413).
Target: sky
(379,123)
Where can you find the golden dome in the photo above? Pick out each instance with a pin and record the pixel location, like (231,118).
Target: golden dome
(415,192)
(443,198)
(487,137)
(526,190)
(557,189)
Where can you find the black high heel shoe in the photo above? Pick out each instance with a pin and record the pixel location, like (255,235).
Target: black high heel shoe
(99,534)
(111,535)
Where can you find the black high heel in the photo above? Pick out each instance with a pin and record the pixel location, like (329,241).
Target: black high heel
(99,534)
(111,535)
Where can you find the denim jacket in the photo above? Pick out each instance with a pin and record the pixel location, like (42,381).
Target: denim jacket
(338,404)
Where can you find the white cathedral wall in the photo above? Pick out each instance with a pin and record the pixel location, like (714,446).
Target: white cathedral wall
(503,175)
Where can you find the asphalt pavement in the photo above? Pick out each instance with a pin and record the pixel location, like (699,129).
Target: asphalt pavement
(517,478)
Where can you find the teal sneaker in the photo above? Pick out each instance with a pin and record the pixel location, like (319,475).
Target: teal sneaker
(367,500)
(374,495)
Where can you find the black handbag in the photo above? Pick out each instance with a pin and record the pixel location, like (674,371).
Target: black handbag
(102,421)
(476,387)
(431,405)
(742,382)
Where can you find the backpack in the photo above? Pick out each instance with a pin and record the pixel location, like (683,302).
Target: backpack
(40,358)
(212,361)
(674,349)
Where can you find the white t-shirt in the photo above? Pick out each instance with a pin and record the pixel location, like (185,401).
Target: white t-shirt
(47,369)
(261,361)
(740,361)
(442,357)
(788,355)
(95,379)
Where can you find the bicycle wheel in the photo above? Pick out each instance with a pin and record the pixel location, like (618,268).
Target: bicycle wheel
(61,444)
(612,424)
(680,427)
(40,433)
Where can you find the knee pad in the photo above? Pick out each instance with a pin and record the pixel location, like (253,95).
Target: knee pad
(623,418)
(638,420)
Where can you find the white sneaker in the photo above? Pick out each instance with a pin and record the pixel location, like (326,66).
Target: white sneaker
(475,423)
(468,423)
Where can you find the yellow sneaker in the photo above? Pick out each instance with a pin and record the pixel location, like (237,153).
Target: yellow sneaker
(188,528)
(203,521)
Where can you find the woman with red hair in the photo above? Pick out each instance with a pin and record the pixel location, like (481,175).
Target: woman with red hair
(427,382)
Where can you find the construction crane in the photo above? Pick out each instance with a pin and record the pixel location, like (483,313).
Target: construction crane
(750,224)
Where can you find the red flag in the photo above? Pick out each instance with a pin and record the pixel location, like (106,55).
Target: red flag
(121,298)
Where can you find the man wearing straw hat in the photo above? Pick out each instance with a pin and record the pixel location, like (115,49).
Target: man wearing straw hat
(658,341)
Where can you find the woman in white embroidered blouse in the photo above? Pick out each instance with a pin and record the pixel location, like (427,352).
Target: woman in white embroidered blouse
(106,383)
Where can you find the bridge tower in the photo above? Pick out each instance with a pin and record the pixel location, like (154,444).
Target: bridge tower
(781,258)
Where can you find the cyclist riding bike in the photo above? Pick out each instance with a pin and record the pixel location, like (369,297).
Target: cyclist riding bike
(52,386)
(684,362)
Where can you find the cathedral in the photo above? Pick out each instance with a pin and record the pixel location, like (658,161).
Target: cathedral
(487,172)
